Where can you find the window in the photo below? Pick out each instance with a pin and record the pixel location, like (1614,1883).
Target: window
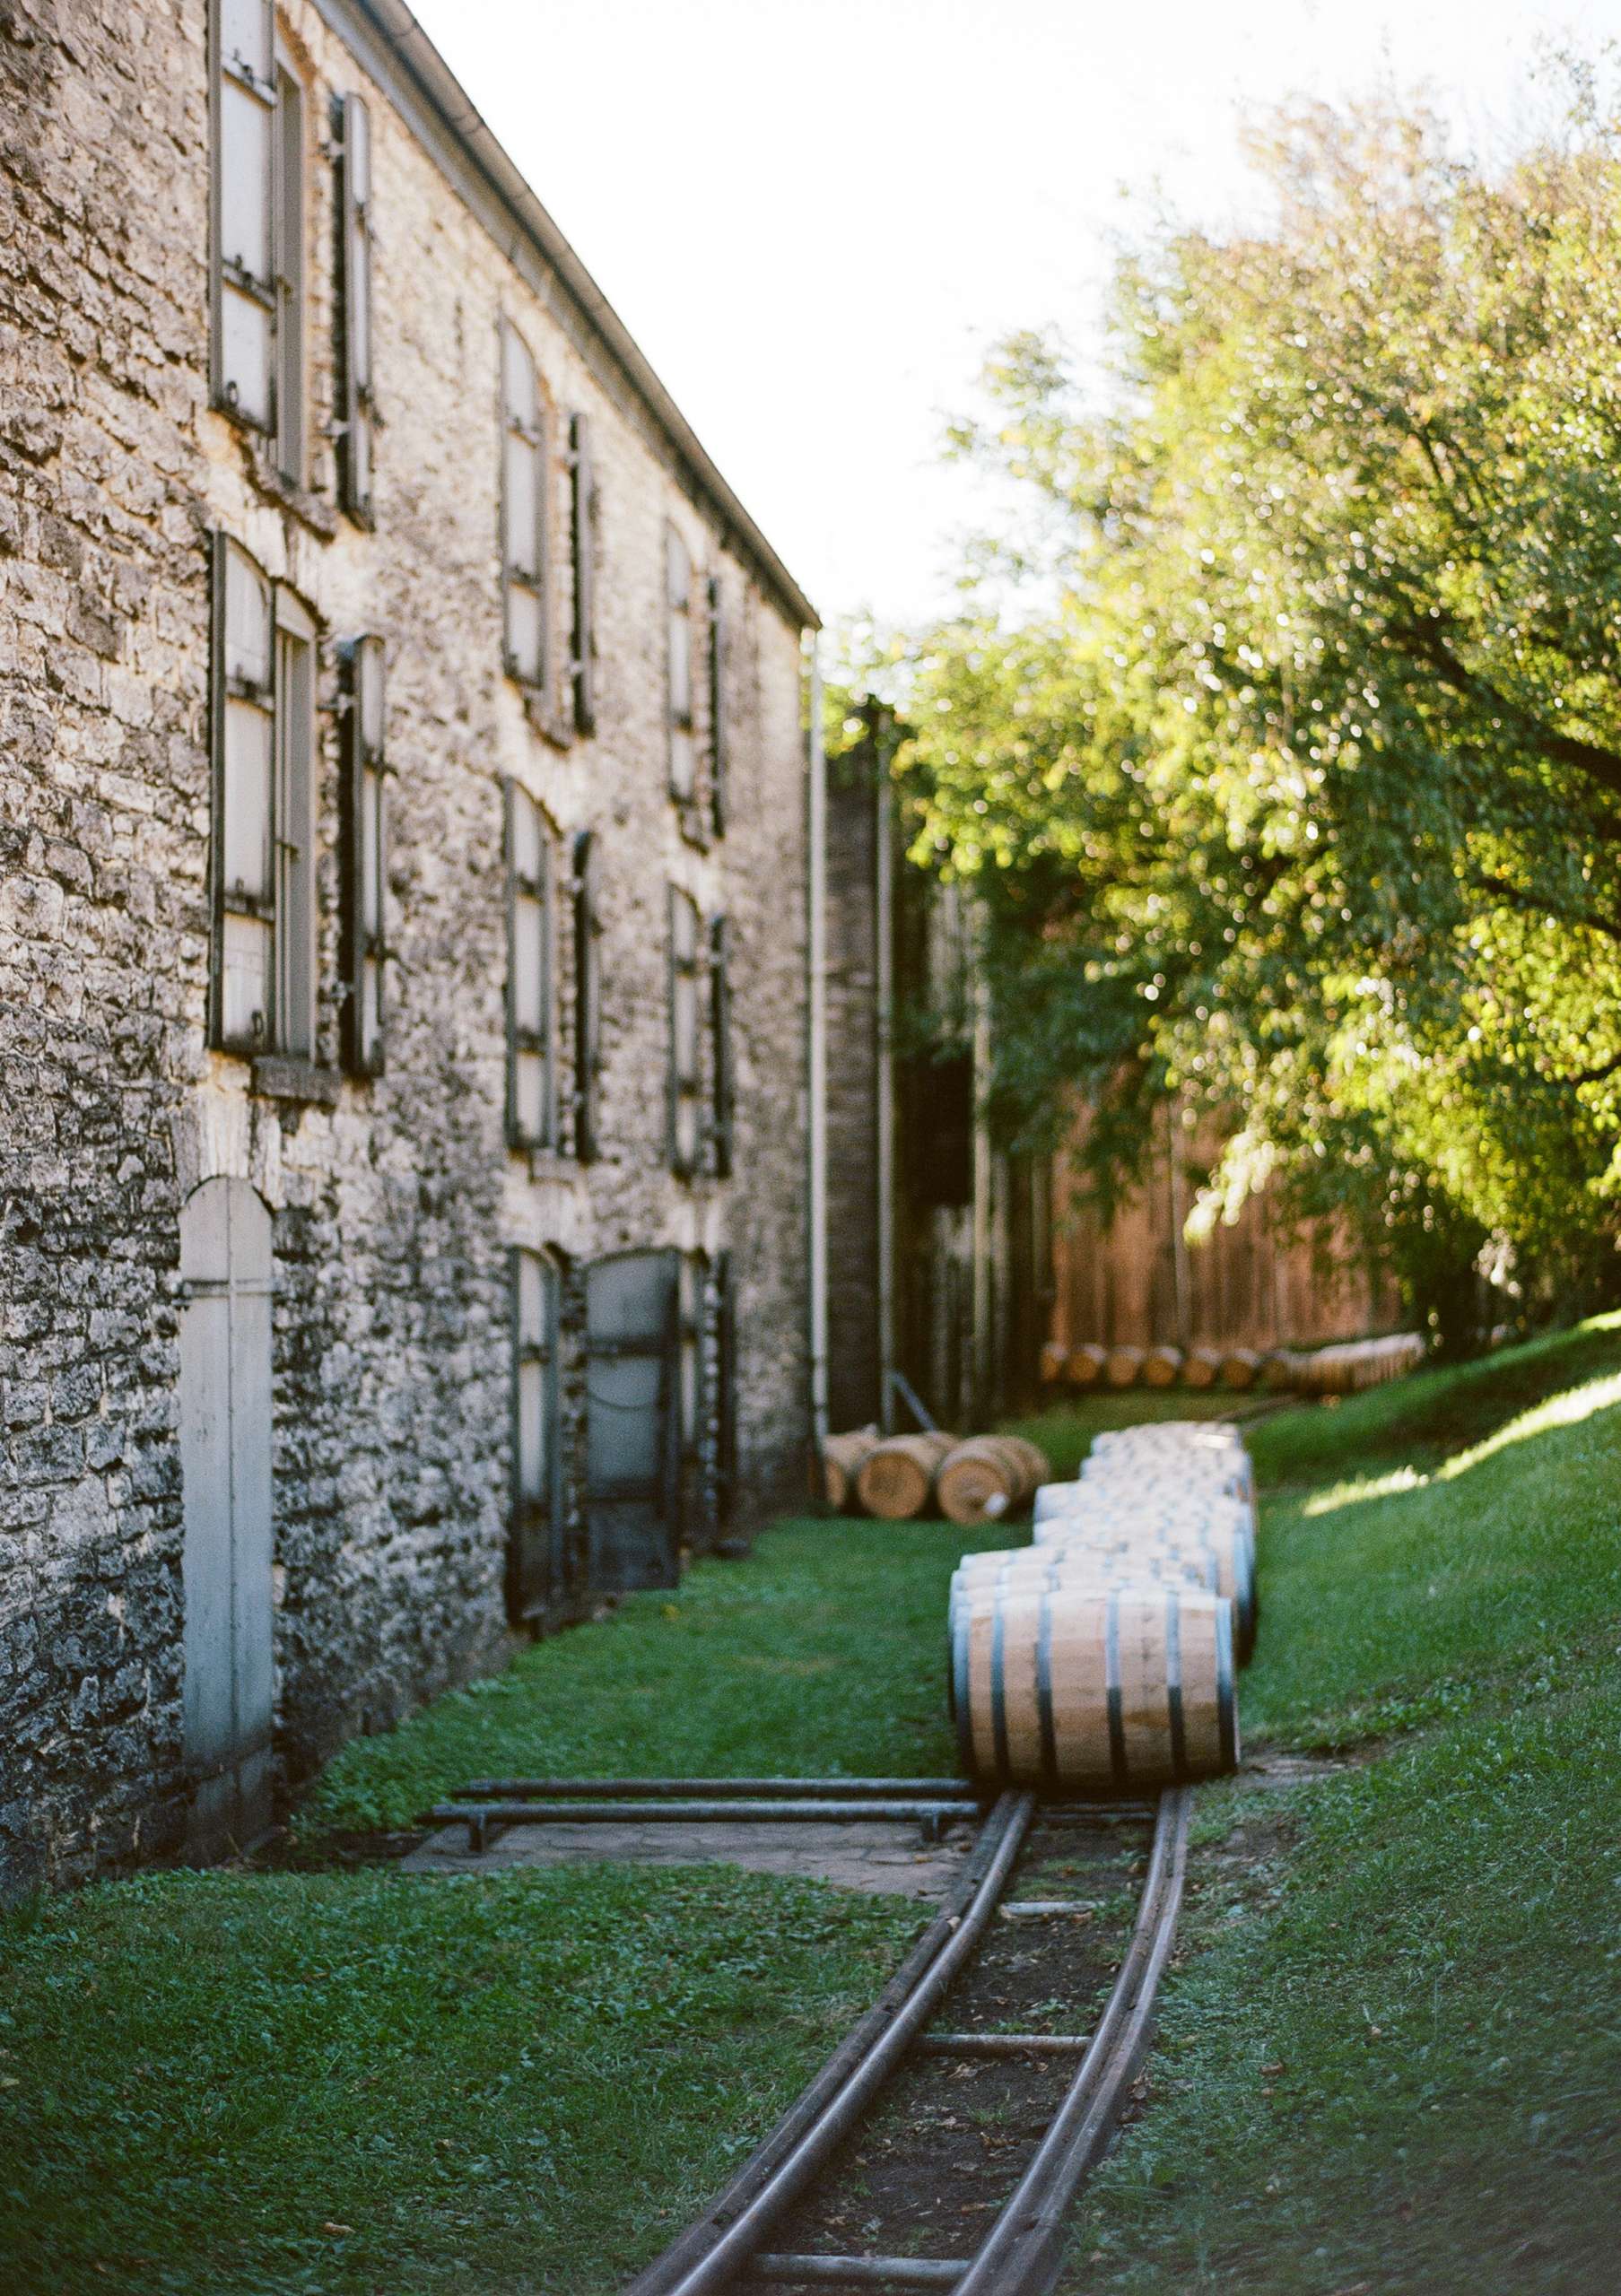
(678,591)
(720,1035)
(523,513)
(587,995)
(685,1083)
(351,134)
(535,1561)
(717,664)
(531,1075)
(244,272)
(256,271)
(363,855)
(583,540)
(264,874)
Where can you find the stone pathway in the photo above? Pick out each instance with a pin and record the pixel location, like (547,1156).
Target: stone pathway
(883,1858)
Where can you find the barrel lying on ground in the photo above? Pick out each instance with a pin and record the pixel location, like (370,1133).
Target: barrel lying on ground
(1096,1689)
(896,1480)
(988,1477)
(842,1458)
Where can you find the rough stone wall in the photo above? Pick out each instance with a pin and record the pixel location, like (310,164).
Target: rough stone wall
(852,1087)
(395,1206)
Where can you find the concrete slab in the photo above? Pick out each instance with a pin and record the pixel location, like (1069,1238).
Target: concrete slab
(883,1859)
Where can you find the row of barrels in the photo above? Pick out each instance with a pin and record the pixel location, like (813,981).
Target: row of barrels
(899,1477)
(1103,1657)
(1342,1370)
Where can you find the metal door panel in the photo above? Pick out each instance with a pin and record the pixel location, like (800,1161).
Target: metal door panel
(225,1431)
(633,1432)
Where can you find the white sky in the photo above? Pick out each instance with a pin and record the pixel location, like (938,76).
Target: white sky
(815,221)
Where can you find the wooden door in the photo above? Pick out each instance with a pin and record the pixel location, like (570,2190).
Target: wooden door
(226,1417)
(633,1432)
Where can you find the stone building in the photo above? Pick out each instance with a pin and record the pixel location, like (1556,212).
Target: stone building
(402,938)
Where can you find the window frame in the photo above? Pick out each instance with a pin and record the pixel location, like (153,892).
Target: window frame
(716,661)
(582,546)
(586,888)
(292,273)
(355,426)
(544,1507)
(686,1084)
(364,759)
(679,716)
(225,277)
(722,1078)
(513,579)
(524,1042)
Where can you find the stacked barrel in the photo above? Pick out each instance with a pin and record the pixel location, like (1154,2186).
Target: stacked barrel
(1102,1658)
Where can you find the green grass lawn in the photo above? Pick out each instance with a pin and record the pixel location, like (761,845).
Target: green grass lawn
(1392,2049)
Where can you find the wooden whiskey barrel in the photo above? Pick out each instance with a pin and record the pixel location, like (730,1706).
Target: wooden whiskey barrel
(842,1458)
(988,1477)
(1054,1356)
(1084,1366)
(1122,1365)
(896,1480)
(1121,1690)
(1201,1368)
(1221,1560)
(1161,1366)
(1240,1368)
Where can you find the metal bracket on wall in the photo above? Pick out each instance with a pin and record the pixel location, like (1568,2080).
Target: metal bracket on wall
(901,1385)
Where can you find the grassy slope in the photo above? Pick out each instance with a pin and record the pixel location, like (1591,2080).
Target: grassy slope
(524,2081)
(1428,1946)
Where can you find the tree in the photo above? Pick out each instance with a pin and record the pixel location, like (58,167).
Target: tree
(1303,798)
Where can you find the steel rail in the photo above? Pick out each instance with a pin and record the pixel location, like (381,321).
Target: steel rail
(732,2251)
(1025,2250)
(661,2275)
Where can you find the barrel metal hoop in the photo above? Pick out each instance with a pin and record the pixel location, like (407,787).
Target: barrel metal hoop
(1173,1687)
(1111,1677)
(1225,1704)
(959,1675)
(1043,1691)
(999,1708)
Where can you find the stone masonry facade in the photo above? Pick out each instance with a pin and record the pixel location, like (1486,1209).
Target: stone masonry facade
(396,1199)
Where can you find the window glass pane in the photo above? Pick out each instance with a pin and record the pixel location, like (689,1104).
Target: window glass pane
(678,568)
(245,981)
(686,1132)
(680,668)
(529,1094)
(357,286)
(370,856)
(527,1012)
(526,837)
(685,1021)
(245,37)
(531,1300)
(522,505)
(247,857)
(523,633)
(518,380)
(372,1009)
(531,1431)
(370,669)
(357,135)
(245,342)
(681,770)
(245,124)
(247,621)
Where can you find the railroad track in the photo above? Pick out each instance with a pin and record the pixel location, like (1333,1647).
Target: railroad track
(738,2242)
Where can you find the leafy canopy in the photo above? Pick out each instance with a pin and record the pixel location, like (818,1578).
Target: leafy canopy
(1296,791)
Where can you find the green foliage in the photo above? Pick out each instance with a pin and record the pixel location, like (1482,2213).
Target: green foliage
(1296,793)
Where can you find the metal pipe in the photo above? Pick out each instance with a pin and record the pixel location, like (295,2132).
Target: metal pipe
(716,1790)
(737,2243)
(917,1812)
(1003,2045)
(883,968)
(816,1078)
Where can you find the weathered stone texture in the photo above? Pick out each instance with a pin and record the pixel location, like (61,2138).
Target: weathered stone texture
(395,1208)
